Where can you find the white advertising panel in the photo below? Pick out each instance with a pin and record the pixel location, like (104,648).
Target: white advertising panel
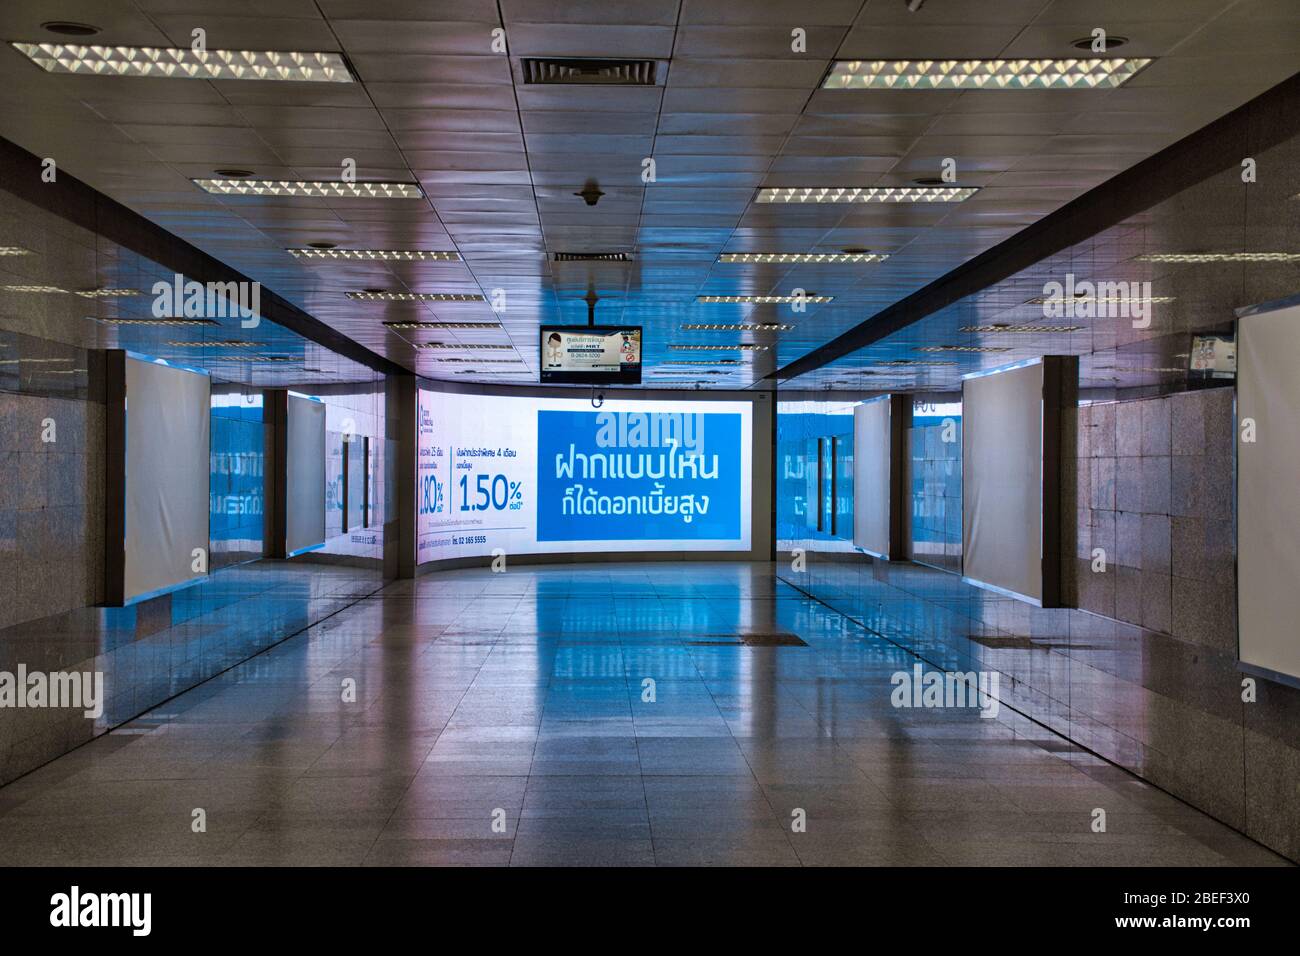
(871,464)
(1002,480)
(167,473)
(304,475)
(1268,515)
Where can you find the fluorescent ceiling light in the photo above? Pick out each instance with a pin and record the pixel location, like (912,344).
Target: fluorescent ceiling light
(248,358)
(1202,257)
(962,348)
(720,361)
(736,327)
(108,293)
(14,251)
(482,361)
(465,345)
(1024,329)
(801,257)
(897,362)
(1108,300)
(475,371)
(764,299)
(185,63)
(832,194)
(385,255)
(688,372)
(1030,74)
(126,321)
(415,297)
(742,346)
(320,188)
(229,344)
(84,293)
(441,325)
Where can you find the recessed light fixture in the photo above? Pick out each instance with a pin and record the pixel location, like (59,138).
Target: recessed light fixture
(370,295)
(186,63)
(248,358)
(833,194)
(384,255)
(1025,74)
(415,326)
(31,288)
(14,251)
(481,361)
(764,299)
(801,257)
(1085,43)
(130,321)
(457,346)
(1206,257)
(318,189)
(1021,329)
(227,344)
(962,348)
(70,28)
(736,327)
(741,346)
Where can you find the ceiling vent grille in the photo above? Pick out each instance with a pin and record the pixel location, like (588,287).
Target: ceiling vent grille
(590,71)
(591,257)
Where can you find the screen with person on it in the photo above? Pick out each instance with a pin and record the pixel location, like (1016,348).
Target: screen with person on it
(591,355)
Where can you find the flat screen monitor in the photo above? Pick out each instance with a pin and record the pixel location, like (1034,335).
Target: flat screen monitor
(591,354)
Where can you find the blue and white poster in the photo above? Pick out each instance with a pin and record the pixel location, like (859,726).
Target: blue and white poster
(525,475)
(638,476)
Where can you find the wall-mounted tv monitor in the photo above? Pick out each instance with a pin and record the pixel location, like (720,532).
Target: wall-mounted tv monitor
(591,354)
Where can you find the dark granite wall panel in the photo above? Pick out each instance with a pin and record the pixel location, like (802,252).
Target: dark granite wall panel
(51,506)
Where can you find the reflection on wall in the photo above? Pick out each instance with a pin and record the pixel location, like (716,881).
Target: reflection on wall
(805,430)
(237,480)
(352,415)
(934,482)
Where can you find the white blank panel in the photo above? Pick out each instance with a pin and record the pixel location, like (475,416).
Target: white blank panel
(871,464)
(1268,511)
(167,472)
(304,479)
(1002,480)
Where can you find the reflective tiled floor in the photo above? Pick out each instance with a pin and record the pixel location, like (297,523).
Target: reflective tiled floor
(589,715)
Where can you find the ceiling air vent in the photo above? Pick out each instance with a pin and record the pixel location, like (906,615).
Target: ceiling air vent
(591,257)
(584,70)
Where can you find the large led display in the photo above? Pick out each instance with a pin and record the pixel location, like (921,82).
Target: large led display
(551,475)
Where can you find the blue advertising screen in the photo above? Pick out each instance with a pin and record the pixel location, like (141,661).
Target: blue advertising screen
(536,475)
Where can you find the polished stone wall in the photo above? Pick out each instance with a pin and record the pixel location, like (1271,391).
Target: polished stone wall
(51,505)
(1143,669)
